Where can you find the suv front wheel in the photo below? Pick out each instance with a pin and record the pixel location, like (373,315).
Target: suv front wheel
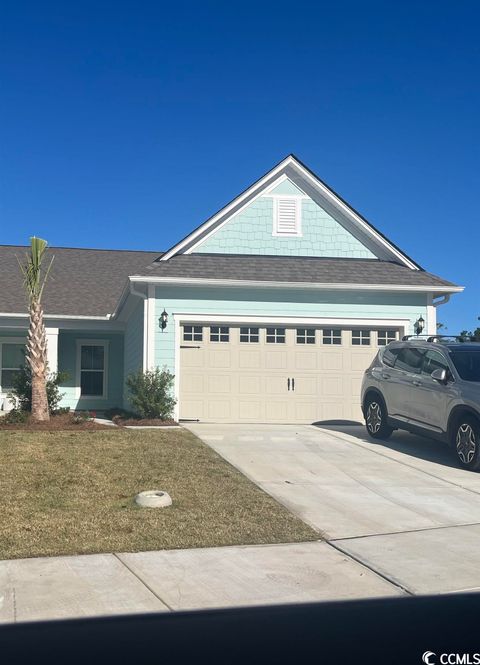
(466,442)
(376,418)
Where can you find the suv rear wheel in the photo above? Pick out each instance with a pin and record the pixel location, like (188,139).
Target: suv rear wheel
(466,442)
(376,418)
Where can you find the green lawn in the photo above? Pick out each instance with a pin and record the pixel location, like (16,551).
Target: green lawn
(72,492)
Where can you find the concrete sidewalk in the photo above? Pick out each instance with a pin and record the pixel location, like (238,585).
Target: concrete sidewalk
(112,584)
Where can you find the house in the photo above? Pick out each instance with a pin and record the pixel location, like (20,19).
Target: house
(270,311)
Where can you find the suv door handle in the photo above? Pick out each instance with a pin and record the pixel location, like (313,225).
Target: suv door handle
(417,383)
(386,375)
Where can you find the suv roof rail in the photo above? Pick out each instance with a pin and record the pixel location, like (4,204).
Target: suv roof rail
(438,338)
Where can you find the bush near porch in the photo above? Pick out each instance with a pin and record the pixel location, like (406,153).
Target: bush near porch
(72,492)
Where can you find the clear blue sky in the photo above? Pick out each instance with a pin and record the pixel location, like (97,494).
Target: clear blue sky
(126,124)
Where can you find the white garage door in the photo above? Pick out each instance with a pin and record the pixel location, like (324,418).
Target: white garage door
(274,374)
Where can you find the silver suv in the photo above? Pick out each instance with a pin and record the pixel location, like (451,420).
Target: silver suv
(430,387)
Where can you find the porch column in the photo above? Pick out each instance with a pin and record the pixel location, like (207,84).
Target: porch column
(52,349)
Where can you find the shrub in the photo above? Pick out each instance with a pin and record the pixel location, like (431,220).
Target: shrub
(21,393)
(151,393)
(14,416)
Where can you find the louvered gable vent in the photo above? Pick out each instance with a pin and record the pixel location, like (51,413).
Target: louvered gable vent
(287,216)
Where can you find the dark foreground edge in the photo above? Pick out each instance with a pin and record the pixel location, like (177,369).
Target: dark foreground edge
(388,631)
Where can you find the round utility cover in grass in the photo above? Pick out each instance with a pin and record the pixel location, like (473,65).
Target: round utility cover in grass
(153,499)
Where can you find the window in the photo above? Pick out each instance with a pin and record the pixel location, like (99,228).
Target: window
(361,337)
(467,364)
(331,336)
(192,333)
(433,360)
(92,369)
(219,334)
(384,337)
(12,359)
(409,360)
(389,356)
(305,335)
(286,216)
(249,335)
(275,336)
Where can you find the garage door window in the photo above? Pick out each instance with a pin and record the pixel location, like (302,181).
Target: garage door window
(219,334)
(305,335)
(249,335)
(275,336)
(361,337)
(384,337)
(332,336)
(192,333)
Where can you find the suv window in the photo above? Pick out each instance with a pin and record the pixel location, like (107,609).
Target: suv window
(433,360)
(409,360)
(390,355)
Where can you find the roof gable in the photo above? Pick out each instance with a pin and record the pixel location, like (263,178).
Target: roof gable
(338,229)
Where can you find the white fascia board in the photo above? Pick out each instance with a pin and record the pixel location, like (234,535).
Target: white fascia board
(257,187)
(296,285)
(290,320)
(68,317)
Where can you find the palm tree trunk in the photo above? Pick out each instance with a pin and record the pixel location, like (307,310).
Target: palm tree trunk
(36,356)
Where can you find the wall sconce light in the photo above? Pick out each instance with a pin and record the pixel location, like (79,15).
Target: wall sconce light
(419,325)
(163,320)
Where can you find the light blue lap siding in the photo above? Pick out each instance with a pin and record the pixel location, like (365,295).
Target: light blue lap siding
(250,232)
(277,302)
(133,356)
(67,362)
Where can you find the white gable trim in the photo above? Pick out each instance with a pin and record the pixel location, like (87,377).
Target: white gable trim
(258,189)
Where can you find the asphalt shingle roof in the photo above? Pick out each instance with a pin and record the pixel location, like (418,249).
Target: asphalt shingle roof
(85,282)
(292,269)
(89,282)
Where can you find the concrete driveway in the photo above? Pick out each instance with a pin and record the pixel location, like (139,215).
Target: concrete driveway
(400,507)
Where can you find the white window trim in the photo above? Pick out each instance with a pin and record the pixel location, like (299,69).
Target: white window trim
(298,217)
(361,337)
(193,333)
(305,343)
(249,334)
(91,342)
(8,340)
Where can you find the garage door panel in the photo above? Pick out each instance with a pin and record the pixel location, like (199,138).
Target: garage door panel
(220,358)
(275,360)
(249,359)
(277,411)
(219,383)
(332,360)
(276,385)
(220,409)
(249,385)
(305,360)
(193,384)
(192,357)
(250,410)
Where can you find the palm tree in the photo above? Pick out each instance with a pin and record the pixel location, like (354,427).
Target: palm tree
(36,348)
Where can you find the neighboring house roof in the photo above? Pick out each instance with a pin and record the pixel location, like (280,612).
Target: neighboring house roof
(288,269)
(307,181)
(83,282)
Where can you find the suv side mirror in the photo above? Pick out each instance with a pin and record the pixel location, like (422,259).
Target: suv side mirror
(439,375)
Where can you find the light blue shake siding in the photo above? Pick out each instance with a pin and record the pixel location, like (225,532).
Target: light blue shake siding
(250,232)
(67,362)
(133,346)
(277,302)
